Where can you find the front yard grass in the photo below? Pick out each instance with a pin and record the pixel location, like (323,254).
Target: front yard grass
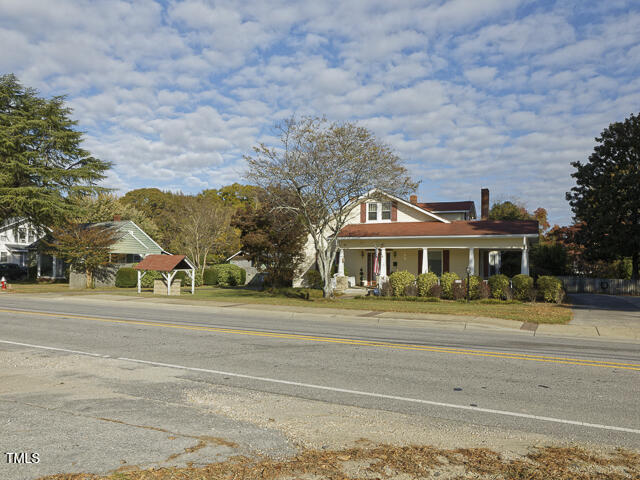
(523,312)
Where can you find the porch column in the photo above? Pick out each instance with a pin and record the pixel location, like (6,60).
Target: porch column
(39,265)
(54,267)
(472,260)
(425,260)
(383,263)
(524,266)
(340,262)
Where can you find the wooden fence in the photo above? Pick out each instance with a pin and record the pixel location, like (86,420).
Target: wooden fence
(611,286)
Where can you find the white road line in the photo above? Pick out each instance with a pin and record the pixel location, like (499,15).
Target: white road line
(345,390)
(56,349)
(390,397)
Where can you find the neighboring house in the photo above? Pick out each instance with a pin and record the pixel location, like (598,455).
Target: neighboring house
(18,238)
(132,246)
(19,241)
(243,261)
(419,237)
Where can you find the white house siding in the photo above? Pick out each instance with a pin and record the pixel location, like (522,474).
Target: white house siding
(410,214)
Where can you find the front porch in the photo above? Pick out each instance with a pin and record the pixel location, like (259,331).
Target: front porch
(369,265)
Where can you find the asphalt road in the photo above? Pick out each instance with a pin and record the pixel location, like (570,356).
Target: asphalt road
(79,372)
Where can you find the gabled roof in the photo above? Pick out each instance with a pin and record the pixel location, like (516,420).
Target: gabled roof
(133,239)
(434,229)
(417,207)
(164,263)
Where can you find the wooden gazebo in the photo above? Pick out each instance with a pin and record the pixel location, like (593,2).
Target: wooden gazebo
(168,266)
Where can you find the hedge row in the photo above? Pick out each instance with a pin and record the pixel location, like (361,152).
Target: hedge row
(224,275)
(448,286)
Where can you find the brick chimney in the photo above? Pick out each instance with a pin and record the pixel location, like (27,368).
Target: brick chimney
(117,218)
(484,203)
(413,199)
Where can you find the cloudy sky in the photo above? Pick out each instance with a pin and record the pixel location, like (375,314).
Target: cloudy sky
(493,93)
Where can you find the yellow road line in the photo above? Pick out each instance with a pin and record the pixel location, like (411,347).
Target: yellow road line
(347,341)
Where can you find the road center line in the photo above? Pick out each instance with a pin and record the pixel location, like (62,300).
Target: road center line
(347,341)
(340,390)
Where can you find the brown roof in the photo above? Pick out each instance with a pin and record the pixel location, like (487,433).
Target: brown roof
(163,263)
(438,229)
(448,206)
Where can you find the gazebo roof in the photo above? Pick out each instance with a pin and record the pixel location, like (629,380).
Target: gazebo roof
(164,263)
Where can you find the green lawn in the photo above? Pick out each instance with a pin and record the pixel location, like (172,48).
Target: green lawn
(526,312)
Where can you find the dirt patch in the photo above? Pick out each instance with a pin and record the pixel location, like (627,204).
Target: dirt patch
(409,462)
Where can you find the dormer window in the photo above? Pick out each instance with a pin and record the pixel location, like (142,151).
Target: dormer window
(373,211)
(386,211)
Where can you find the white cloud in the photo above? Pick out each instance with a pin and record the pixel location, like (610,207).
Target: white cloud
(495,93)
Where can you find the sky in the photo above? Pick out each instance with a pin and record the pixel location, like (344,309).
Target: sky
(502,94)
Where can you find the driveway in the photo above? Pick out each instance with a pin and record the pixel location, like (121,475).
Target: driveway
(598,310)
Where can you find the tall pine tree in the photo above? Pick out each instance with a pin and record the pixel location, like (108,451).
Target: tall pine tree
(41,159)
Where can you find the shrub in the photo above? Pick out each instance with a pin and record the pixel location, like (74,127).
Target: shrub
(499,285)
(149,278)
(550,289)
(229,275)
(522,284)
(385,289)
(458,291)
(314,279)
(411,290)
(126,277)
(399,281)
(435,291)
(424,283)
(483,290)
(210,276)
(446,282)
(474,281)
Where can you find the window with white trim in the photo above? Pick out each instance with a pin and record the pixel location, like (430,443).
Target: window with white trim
(386,211)
(373,211)
(3,257)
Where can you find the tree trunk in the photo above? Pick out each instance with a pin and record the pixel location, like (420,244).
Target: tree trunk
(635,260)
(89,276)
(324,266)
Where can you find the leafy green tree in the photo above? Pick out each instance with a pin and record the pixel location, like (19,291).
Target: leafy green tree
(42,162)
(606,197)
(85,247)
(236,195)
(509,210)
(549,259)
(150,201)
(104,207)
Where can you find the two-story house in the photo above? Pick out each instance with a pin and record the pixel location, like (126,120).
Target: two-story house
(18,237)
(386,234)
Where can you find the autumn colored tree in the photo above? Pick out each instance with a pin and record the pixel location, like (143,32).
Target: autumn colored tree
(272,238)
(85,247)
